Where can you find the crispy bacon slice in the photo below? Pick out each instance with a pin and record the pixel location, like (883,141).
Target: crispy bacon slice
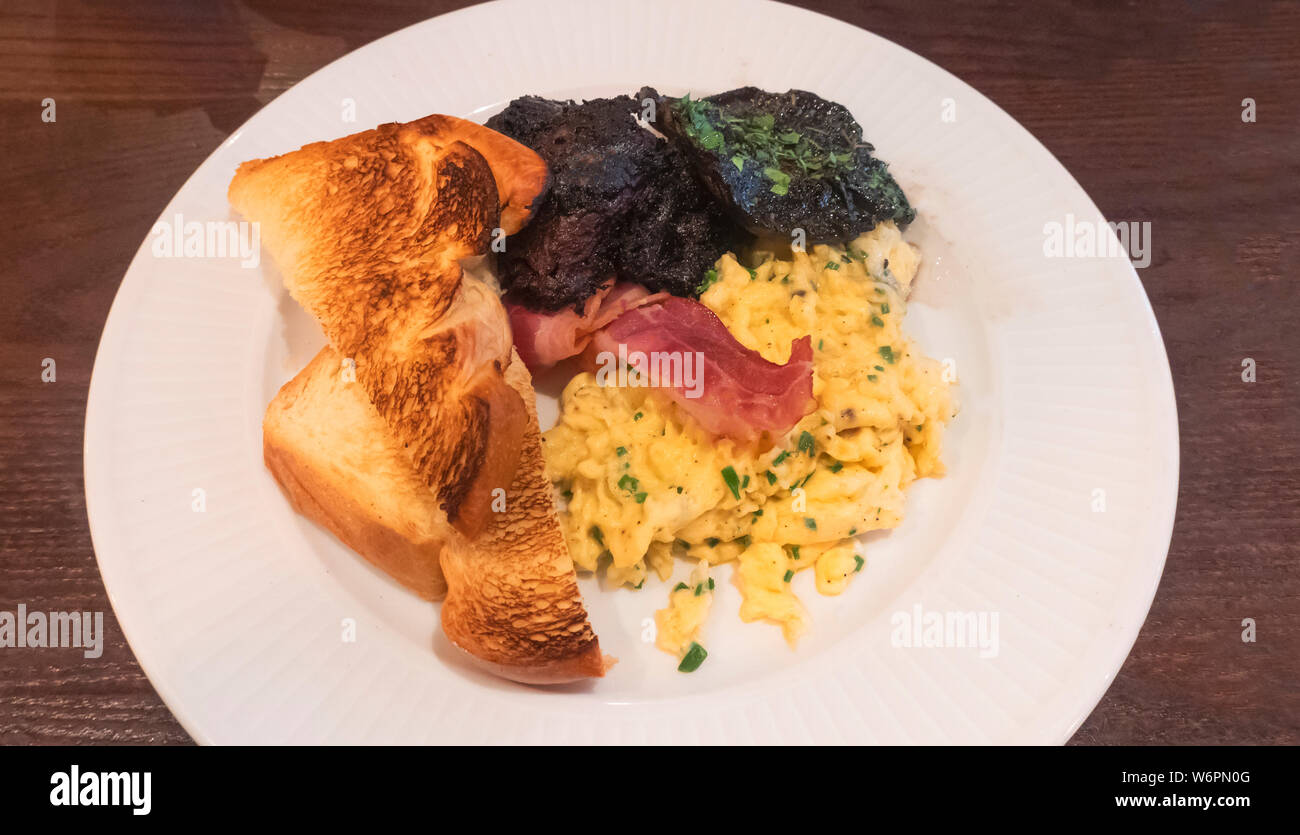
(543,339)
(737,394)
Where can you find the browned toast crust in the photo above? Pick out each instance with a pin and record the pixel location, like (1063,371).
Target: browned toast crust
(367,231)
(512,596)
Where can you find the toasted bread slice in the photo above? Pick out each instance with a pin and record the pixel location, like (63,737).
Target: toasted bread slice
(512,600)
(368,231)
(340,467)
(512,594)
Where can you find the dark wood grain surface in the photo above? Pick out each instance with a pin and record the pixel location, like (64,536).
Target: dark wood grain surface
(1142,102)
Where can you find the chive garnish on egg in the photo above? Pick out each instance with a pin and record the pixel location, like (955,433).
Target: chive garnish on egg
(732,480)
(693,658)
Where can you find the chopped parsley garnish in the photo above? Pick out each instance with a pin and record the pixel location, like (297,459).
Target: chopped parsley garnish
(780,180)
(639,498)
(627,483)
(732,480)
(693,658)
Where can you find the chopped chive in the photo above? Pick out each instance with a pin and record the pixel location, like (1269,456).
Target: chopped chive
(710,584)
(732,480)
(853,531)
(836,467)
(595,534)
(568,495)
(794,551)
(777,460)
(637,416)
(758,513)
(712,542)
(806,442)
(878,367)
(640,584)
(679,490)
(621,450)
(888,353)
(857,558)
(873,378)
(627,483)
(693,658)
(789,575)
(820,343)
(771,477)
(699,590)
(744,540)
(810,523)
(831,265)
(639,498)
(877,321)
(884,307)
(753,275)
(680,586)
(744,482)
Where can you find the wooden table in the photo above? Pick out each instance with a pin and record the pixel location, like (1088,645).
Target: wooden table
(1142,102)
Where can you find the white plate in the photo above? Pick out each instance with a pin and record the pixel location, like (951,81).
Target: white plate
(236,613)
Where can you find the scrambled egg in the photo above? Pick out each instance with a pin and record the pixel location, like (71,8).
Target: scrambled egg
(645,484)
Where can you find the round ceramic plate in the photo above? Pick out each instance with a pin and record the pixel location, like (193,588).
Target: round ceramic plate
(1047,536)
